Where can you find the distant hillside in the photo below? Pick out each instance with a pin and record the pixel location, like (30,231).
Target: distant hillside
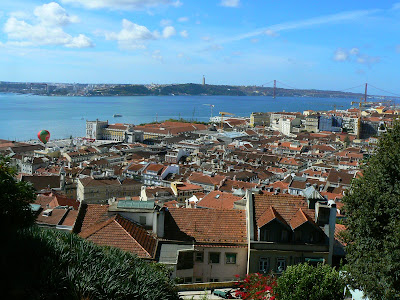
(66,89)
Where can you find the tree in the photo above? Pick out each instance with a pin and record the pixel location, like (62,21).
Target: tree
(304,281)
(15,211)
(373,222)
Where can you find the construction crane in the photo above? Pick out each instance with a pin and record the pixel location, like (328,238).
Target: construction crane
(334,106)
(211,108)
(222,113)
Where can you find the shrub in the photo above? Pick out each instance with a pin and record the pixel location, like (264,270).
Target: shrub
(304,281)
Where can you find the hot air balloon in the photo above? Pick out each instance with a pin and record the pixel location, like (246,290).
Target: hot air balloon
(43,136)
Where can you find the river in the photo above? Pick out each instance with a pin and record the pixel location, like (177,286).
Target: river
(22,116)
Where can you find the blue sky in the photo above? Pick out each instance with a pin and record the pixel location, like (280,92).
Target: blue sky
(306,44)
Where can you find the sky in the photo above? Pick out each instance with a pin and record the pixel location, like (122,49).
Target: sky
(333,45)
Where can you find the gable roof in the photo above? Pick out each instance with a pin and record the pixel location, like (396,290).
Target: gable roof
(122,233)
(269,215)
(287,206)
(201,178)
(299,218)
(206,225)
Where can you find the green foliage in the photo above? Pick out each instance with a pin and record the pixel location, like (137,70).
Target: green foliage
(15,211)
(373,222)
(199,89)
(304,281)
(64,266)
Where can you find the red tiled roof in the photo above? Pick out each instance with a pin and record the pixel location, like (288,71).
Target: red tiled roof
(53,219)
(269,215)
(339,229)
(200,178)
(218,200)
(154,168)
(94,213)
(299,219)
(284,204)
(206,225)
(124,234)
(188,186)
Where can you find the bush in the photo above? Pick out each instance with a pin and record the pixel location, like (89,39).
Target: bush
(63,266)
(304,281)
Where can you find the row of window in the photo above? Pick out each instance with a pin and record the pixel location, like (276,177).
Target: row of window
(214,257)
(264,265)
(200,279)
(299,236)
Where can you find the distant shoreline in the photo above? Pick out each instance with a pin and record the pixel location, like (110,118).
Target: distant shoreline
(376,97)
(188,89)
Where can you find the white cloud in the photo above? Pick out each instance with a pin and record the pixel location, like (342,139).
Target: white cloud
(206,38)
(396,6)
(53,14)
(81,41)
(368,60)
(184,34)
(183,19)
(354,55)
(340,55)
(157,55)
(168,32)
(271,33)
(165,22)
(354,51)
(132,36)
(123,4)
(305,23)
(230,3)
(177,3)
(45,29)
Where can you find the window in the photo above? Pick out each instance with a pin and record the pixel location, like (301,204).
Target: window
(264,264)
(298,260)
(214,258)
(198,279)
(265,235)
(185,260)
(297,236)
(199,256)
(214,279)
(230,258)
(280,265)
(284,236)
(142,220)
(187,280)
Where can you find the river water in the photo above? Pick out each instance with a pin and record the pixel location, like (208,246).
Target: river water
(22,116)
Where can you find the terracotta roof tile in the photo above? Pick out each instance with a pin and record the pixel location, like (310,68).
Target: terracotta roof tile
(284,204)
(206,225)
(218,200)
(269,215)
(124,234)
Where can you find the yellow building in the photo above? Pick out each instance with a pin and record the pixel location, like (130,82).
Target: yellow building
(259,118)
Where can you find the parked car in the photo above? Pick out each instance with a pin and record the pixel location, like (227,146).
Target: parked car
(226,294)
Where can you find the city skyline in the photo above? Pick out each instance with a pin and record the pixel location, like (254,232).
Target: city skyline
(326,46)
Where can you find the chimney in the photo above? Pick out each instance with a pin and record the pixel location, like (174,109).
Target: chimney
(332,223)
(158,222)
